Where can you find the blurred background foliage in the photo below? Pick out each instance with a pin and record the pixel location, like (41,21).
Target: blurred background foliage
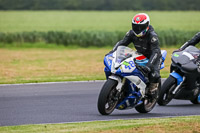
(89,38)
(99,4)
(102,24)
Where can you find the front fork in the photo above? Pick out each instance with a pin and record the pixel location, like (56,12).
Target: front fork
(120,84)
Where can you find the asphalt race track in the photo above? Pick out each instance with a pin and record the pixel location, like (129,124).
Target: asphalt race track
(70,102)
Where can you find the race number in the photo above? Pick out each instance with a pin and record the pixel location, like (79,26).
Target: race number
(128,66)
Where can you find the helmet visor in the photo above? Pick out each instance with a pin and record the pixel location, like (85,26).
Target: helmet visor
(138,28)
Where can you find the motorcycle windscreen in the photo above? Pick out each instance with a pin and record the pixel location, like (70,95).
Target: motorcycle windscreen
(192,49)
(122,54)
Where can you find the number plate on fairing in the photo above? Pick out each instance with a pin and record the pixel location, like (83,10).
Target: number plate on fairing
(128,66)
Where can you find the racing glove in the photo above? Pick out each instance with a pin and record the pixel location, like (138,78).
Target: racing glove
(177,50)
(146,69)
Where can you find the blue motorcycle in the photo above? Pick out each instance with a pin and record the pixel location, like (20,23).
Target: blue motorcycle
(184,80)
(126,83)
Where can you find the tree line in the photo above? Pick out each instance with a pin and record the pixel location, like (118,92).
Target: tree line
(99,4)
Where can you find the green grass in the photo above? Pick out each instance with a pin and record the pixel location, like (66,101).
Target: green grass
(189,124)
(23,65)
(18,21)
(30,63)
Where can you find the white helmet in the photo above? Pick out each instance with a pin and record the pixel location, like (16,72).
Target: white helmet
(140,24)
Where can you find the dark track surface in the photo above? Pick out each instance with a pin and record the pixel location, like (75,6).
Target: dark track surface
(70,102)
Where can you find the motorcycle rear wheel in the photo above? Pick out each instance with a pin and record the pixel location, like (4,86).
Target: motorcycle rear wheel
(167,88)
(148,102)
(107,101)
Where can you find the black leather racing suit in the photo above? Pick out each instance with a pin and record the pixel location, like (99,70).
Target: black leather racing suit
(195,39)
(147,45)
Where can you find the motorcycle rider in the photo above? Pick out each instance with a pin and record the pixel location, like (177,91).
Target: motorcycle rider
(146,42)
(195,40)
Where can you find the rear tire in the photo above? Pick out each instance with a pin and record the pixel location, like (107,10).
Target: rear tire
(166,91)
(107,101)
(148,102)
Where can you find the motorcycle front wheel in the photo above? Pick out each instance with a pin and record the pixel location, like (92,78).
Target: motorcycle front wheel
(196,100)
(167,88)
(107,100)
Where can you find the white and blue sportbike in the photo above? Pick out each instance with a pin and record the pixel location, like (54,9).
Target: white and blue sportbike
(126,83)
(184,80)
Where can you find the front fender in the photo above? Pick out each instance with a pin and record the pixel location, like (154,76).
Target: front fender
(119,80)
(177,76)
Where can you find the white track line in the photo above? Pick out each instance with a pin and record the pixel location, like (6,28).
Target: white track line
(44,83)
(65,82)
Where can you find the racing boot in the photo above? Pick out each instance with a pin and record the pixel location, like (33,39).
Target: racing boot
(152,89)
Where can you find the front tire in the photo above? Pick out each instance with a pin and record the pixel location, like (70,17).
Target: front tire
(107,100)
(196,100)
(166,91)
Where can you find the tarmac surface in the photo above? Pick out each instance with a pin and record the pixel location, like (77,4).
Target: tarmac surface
(65,102)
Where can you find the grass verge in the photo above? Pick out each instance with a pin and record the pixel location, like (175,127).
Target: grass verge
(29,64)
(190,124)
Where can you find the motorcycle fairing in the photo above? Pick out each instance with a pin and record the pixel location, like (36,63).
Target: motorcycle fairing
(185,60)
(139,83)
(132,100)
(199,98)
(190,67)
(181,58)
(128,65)
(185,56)
(127,103)
(164,54)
